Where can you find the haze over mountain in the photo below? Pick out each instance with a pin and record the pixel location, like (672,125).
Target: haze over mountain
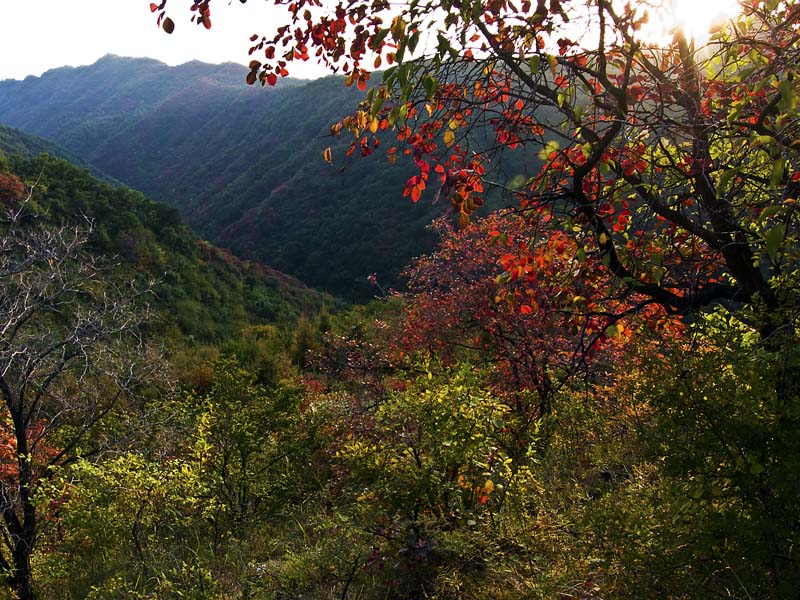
(243,164)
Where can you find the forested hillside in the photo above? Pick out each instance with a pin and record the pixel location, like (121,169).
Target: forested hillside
(243,165)
(14,141)
(200,291)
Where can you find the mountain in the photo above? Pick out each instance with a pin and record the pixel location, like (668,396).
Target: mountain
(203,293)
(14,141)
(242,164)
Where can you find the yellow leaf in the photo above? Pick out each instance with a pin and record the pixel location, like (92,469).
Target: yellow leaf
(449,138)
(326,154)
(398,28)
(373,126)
(488,486)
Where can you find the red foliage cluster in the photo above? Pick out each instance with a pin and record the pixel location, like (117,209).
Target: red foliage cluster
(12,190)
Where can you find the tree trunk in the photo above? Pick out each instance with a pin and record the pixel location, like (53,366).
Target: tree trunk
(21,580)
(24,540)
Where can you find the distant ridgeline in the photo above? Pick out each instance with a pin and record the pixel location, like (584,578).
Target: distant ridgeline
(14,141)
(242,164)
(202,292)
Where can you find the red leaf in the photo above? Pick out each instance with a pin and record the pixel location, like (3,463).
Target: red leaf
(153,7)
(272,79)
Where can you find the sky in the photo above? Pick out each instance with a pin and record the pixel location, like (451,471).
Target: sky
(37,35)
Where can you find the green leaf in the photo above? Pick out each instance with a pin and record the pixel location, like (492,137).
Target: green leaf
(443,44)
(778,167)
(398,29)
(763,140)
(377,104)
(430,84)
(379,37)
(549,147)
(773,239)
(726,177)
(768,212)
(394,114)
(390,76)
(412,43)
(788,95)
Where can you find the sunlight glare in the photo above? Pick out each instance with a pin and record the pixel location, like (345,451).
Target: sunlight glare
(696,19)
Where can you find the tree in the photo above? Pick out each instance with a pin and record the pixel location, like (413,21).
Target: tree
(670,162)
(241,447)
(538,326)
(65,363)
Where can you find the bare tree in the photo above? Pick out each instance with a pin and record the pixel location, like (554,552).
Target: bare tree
(67,335)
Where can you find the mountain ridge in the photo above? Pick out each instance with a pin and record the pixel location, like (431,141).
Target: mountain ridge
(243,164)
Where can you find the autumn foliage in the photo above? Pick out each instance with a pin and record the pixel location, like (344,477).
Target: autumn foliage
(590,394)
(663,161)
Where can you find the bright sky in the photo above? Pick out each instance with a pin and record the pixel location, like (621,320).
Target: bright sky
(37,35)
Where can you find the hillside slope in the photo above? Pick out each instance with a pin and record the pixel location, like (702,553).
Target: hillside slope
(202,292)
(242,164)
(14,141)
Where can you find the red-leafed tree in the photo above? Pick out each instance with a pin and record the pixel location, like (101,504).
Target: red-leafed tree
(524,301)
(672,163)
(522,327)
